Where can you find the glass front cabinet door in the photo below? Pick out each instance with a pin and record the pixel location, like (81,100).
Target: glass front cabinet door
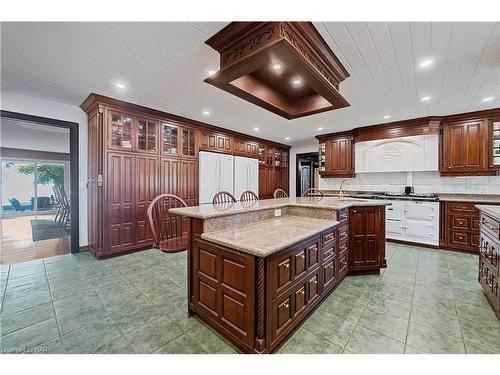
(147,131)
(188,142)
(121,132)
(170,139)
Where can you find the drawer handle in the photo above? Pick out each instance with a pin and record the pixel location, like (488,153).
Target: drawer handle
(315,281)
(302,291)
(343,235)
(286,305)
(313,247)
(330,266)
(286,265)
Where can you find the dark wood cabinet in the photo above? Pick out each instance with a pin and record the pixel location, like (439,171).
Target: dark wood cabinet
(465,147)
(246,148)
(216,142)
(136,153)
(336,156)
(489,259)
(366,239)
(460,226)
(273,171)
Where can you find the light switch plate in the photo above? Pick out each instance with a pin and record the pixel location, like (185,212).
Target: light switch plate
(277,213)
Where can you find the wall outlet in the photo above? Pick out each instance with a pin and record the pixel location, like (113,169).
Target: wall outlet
(277,213)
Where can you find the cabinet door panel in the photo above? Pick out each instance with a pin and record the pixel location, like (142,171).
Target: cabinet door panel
(120,198)
(464,147)
(169,176)
(147,136)
(145,191)
(121,129)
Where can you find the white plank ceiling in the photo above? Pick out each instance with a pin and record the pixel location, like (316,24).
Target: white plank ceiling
(163,66)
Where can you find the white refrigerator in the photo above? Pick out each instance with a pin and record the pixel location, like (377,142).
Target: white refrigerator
(246,175)
(215,174)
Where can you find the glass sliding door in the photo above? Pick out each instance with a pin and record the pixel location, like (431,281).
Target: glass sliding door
(28,186)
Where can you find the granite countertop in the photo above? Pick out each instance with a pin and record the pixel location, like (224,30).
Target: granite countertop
(450,197)
(207,211)
(493,211)
(269,236)
(486,198)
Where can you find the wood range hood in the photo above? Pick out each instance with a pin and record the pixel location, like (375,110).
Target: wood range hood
(284,67)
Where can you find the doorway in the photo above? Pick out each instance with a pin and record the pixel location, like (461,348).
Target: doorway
(38,187)
(307,172)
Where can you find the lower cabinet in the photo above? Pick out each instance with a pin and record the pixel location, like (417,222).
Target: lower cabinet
(460,224)
(489,258)
(366,239)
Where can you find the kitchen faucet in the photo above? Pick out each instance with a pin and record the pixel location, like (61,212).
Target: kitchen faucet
(341,192)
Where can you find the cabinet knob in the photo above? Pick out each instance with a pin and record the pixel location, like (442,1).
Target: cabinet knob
(287,265)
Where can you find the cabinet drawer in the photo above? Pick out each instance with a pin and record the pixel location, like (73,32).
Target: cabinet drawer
(343,247)
(459,222)
(343,233)
(490,226)
(288,267)
(328,238)
(459,238)
(342,215)
(462,207)
(490,250)
(342,264)
(313,288)
(328,253)
(288,309)
(329,274)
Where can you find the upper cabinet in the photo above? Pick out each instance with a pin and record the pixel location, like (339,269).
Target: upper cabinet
(215,142)
(336,156)
(465,148)
(177,140)
(246,148)
(129,133)
(121,132)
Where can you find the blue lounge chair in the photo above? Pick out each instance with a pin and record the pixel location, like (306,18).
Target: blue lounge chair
(18,206)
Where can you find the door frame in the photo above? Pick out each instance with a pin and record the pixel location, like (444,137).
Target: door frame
(298,158)
(73,170)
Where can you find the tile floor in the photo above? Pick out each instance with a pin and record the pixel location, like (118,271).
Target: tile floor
(426,301)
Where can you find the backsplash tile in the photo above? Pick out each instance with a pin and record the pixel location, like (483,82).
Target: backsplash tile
(423,182)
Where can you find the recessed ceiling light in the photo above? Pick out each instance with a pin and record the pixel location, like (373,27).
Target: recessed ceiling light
(287,138)
(387,116)
(296,82)
(120,85)
(320,128)
(206,113)
(211,72)
(488,99)
(276,66)
(425,98)
(256,129)
(425,63)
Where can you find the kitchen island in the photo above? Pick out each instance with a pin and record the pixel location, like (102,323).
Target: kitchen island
(258,269)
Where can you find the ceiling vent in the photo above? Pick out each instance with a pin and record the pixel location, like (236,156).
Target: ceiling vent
(284,67)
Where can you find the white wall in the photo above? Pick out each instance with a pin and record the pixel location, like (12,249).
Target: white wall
(39,107)
(424,182)
(299,148)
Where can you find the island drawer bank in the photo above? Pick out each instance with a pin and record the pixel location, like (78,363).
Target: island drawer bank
(255,278)
(489,254)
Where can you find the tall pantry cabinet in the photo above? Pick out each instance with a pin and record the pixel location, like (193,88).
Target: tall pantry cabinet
(133,157)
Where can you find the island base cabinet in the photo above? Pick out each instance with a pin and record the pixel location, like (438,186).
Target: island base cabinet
(366,240)
(258,302)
